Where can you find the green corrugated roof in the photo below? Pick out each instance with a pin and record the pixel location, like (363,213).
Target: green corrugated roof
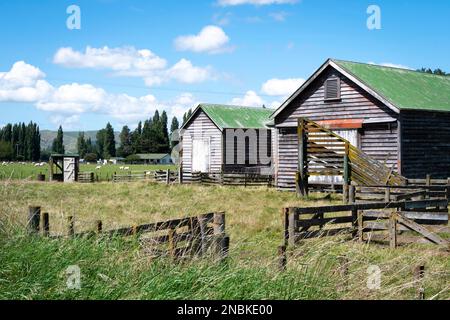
(405,89)
(151,156)
(237,117)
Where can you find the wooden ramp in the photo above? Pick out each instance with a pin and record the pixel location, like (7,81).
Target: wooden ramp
(324,153)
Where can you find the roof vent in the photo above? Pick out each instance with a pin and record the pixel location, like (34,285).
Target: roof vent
(333,89)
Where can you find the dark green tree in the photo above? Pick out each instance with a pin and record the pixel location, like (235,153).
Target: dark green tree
(81,145)
(110,142)
(126,147)
(58,142)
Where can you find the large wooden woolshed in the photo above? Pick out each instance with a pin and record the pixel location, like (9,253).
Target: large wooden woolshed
(204,139)
(397,116)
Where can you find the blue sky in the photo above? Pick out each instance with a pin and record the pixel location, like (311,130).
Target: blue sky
(130,57)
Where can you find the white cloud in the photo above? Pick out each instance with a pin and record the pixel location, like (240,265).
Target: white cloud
(124,59)
(250,99)
(281,87)
(225,3)
(23,83)
(392,65)
(131,62)
(68,102)
(211,39)
(183,71)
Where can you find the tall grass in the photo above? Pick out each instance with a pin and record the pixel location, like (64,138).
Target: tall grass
(34,267)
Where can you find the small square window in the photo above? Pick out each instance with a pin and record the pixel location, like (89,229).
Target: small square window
(333,89)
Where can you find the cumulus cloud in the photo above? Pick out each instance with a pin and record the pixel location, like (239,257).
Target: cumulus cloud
(123,59)
(281,87)
(211,39)
(226,3)
(68,102)
(250,99)
(23,83)
(131,62)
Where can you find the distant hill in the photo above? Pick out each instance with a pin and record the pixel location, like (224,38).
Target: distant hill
(70,139)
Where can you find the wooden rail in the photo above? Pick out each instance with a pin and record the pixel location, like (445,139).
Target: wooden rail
(229,179)
(305,223)
(324,153)
(179,238)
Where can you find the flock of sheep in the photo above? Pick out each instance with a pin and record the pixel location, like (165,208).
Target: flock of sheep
(38,164)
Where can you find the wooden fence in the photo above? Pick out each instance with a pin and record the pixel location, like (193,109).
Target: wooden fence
(229,179)
(179,238)
(367,218)
(163,176)
(86,177)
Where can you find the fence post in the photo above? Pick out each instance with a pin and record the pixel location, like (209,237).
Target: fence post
(222,241)
(34,219)
(99,226)
(345,193)
(168,176)
(302,179)
(393,230)
(361,225)
(70,226)
(291,227)
(419,274)
(180,175)
(45,224)
(387,195)
(351,194)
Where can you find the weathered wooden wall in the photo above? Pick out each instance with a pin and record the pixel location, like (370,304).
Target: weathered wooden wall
(231,147)
(355,103)
(201,127)
(425,144)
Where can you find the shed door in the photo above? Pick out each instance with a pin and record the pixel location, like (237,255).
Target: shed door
(352,137)
(200,155)
(69,169)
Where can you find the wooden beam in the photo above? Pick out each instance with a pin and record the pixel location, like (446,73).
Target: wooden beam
(421,230)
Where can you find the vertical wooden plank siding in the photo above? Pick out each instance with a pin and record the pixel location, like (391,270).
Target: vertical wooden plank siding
(425,144)
(378,140)
(201,127)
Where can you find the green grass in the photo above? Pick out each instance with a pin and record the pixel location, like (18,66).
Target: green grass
(34,268)
(29,172)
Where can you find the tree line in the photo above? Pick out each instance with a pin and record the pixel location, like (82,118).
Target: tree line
(150,136)
(20,142)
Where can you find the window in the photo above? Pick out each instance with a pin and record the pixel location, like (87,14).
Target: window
(333,89)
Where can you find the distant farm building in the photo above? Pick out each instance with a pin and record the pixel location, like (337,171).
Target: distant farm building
(64,167)
(153,158)
(223,139)
(398,117)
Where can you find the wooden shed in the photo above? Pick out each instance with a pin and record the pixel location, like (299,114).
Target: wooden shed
(397,116)
(207,146)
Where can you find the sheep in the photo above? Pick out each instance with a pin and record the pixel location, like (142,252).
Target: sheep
(126,168)
(98,167)
(121,168)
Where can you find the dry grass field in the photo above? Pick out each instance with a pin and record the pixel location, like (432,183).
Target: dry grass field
(253,219)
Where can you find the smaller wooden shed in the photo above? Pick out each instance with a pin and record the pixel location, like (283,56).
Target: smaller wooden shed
(213,138)
(64,167)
